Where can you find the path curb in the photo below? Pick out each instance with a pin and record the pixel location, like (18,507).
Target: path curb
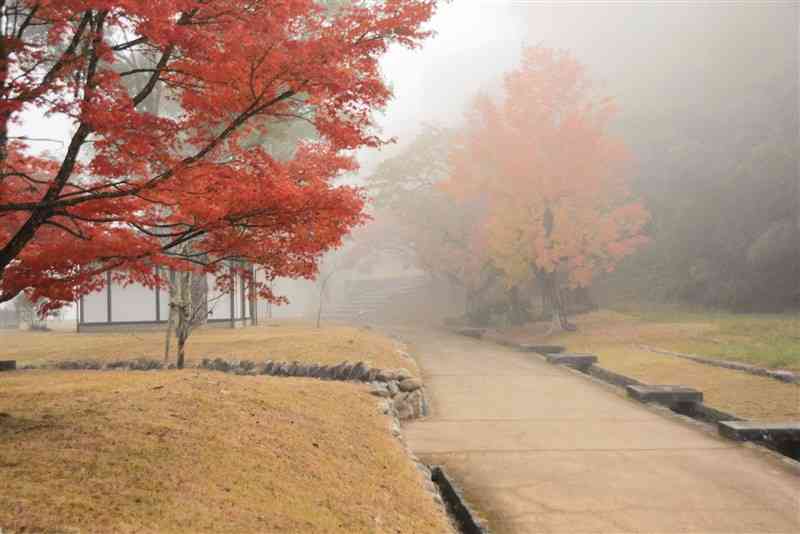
(697,413)
(456,504)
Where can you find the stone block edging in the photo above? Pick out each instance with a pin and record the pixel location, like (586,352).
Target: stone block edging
(777,374)
(468,331)
(700,412)
(457,506)
(702,417)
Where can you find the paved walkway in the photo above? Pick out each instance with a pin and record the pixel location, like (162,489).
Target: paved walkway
(539,449)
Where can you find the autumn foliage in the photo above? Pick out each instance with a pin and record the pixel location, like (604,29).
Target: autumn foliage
(170,103)
(550,176)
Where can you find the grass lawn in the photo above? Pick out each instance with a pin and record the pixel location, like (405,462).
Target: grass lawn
(196,451)
(760,339)
(280,340)
(617,340)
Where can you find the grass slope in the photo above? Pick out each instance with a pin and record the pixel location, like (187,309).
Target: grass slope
(195,451)
(286,341)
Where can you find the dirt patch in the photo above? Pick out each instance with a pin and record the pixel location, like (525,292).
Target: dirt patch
(194,451)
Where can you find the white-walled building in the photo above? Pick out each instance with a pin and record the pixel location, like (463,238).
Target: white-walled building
(135,305)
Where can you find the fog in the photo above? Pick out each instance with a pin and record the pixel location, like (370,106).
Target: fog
(636,51)
(707,106)
(553,286)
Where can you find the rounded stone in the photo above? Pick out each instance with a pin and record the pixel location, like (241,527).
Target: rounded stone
(344,371)
(403,374)
(360,370)
(410,384)
(379,390)
(387,375)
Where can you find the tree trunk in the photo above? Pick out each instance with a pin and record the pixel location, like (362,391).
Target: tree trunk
(584,300)
(182,336)
(519,313)
(184,311)
(552,297)
(170,326)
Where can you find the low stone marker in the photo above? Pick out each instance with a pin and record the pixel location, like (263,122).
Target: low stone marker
(477,333)
(577,361)
(541,349)
(671,396)
(755,431)
(8,365)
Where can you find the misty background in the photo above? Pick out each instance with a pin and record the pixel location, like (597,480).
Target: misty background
(708,98)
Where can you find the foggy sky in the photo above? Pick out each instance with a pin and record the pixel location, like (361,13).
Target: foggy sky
(652,57)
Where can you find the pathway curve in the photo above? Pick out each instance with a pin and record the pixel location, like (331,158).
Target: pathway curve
(540,449)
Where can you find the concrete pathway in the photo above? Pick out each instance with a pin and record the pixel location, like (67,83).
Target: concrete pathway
(539,449)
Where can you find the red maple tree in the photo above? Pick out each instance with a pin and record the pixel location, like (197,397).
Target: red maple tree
(170,102)
(550,177)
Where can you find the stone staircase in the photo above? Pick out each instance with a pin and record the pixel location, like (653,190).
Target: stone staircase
(374,300)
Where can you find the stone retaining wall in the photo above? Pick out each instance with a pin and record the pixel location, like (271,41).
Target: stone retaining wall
(405,393)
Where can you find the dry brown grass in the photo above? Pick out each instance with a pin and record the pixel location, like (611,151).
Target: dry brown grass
(617,338)
(285,340)
(195,451)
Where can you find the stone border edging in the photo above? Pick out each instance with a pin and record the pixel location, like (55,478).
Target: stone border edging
(615,379)
(427,475)
(456,504)
(700,412)
(704,418)
(404,393)
(467,331)
(780,374)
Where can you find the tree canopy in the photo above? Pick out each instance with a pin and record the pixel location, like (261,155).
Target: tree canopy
(137,181)
(552,179)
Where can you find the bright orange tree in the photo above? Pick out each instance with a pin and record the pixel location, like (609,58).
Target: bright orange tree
(553,179)
(138,181)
